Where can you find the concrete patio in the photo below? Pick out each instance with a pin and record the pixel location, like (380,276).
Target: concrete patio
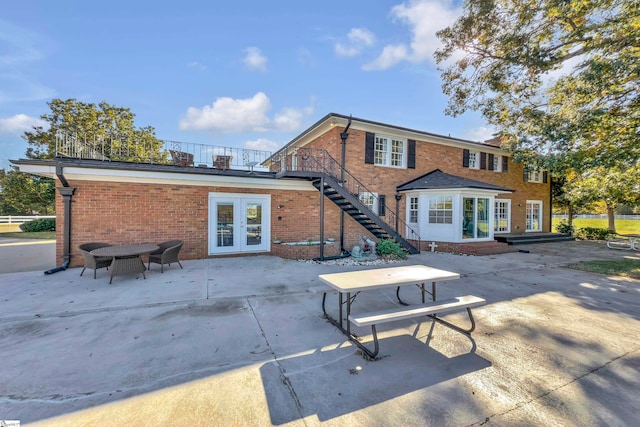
(241,341)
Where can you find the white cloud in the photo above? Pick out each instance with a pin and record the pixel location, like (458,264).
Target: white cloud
(197,65)
(359,38)
(262,144)
(424,18)
(19,123)
(22,50)
(480,133)
(228,115)
(254,59)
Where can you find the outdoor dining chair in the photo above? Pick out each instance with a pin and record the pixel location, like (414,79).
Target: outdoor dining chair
(167,254)
(91,261)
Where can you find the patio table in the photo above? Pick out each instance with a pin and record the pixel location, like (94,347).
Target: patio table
(126,258)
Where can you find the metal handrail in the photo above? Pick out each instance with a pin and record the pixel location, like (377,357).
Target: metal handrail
(319,160)
(156,151)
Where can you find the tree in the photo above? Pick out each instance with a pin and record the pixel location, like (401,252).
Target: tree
(24,194)
(559,78)
(95,131)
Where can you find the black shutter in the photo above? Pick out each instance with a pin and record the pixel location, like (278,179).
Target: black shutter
(545,177)
(411,158)
(381,205)
(505,163)
(491,159)
(483,160)
(369,148)
(525,173)
(465,158)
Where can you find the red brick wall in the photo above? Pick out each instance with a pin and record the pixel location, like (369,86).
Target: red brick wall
(430,156)
(127,213)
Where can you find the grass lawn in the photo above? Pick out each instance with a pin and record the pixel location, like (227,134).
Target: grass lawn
(49,235)
(623,226)
(626,267)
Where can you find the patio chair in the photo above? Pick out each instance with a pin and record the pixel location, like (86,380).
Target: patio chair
(94,262)
(167,254)
(181,158)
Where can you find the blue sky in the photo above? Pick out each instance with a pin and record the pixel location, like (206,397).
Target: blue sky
(242,74)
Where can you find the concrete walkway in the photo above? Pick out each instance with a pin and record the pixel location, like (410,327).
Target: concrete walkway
(241,341)
(26,254)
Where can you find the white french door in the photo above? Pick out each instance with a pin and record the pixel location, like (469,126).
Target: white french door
(534,215)
(239,223)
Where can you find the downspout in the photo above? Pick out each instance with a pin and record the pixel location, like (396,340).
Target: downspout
(343,136)
(66,192)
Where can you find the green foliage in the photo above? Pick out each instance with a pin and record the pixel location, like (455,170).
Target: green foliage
(593,233)
(559,79)
(40,224)
(24,194)
(625,267)
(564,227)
(103,130)
(389,248)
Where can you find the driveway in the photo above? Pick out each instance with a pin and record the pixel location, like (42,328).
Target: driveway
(26,255)
(241,341)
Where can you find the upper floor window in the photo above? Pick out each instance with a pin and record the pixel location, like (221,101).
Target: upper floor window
(389,151)
(497,163)
(474,162)
(531,175)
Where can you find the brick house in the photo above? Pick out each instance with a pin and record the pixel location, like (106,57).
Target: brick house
(377,180)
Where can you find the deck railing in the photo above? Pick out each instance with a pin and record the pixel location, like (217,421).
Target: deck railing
(157,151)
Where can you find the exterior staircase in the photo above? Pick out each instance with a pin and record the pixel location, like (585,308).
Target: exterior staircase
(353,207)
(343,189)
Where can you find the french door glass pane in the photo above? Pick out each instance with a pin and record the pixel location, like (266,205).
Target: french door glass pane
(468,218)
(225,224)
(253,214)
(483,218)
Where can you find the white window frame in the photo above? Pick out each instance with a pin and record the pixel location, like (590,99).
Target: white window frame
(440,200)
(414,210)
(497,163)
(496,218)
(370,200)
(385,156)
(528,222)
(534,176)
(474,160)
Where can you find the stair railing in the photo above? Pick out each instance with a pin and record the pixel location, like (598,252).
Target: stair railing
(319,160)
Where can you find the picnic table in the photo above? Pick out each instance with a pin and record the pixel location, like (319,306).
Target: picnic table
(624,241)
(350,284)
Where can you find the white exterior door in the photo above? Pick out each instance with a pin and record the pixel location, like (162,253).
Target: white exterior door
(534,215)
(239,223)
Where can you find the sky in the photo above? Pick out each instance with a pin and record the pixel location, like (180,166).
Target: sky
(246,74)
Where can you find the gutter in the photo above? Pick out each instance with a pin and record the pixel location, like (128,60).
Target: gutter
(66,191)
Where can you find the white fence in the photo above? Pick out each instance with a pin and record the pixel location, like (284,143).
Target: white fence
(10,219)
(599,216)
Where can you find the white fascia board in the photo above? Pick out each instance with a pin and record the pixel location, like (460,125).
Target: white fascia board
(463,191)
(418,136)
(168,178)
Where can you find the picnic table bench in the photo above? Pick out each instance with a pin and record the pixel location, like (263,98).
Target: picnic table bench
(624,241)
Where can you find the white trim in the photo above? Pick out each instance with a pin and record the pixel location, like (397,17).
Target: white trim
(239,200)
(540,215)
(341,122)
(508,211)
(169,178)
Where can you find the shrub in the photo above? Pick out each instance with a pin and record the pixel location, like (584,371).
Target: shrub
(41,224)
(389,248)
(565,228)
(593,233)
